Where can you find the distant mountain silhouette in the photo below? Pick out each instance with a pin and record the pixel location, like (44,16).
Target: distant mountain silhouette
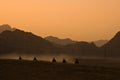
(100,43)
(18,41)
(112,48)
(115,41)
(101,48)
(67,41)
(5,27)
(59,41)
(81,49)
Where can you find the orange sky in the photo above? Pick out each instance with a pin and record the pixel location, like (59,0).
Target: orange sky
(77,19)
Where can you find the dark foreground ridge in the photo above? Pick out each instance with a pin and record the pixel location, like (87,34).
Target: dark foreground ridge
(39,70)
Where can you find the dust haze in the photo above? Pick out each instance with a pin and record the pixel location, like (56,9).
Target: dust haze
(46,57)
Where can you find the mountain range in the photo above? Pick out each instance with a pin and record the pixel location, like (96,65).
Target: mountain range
(67,41)
(18,41)
(53,39)
(59,41)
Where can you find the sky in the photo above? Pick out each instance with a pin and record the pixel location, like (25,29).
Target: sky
(83,20)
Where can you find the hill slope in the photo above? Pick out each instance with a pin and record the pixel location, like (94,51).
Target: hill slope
(59,41)
(82,49)
(100,43)
(18,41)
(112,48)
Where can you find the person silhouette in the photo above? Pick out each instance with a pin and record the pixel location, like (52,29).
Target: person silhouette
(34,59)
(64,61)
(20,58)
(53,60)
(76,61)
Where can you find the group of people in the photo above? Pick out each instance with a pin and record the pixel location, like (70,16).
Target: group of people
(54,60)
(64,61)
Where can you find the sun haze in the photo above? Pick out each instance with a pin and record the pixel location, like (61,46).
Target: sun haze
(77,19)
